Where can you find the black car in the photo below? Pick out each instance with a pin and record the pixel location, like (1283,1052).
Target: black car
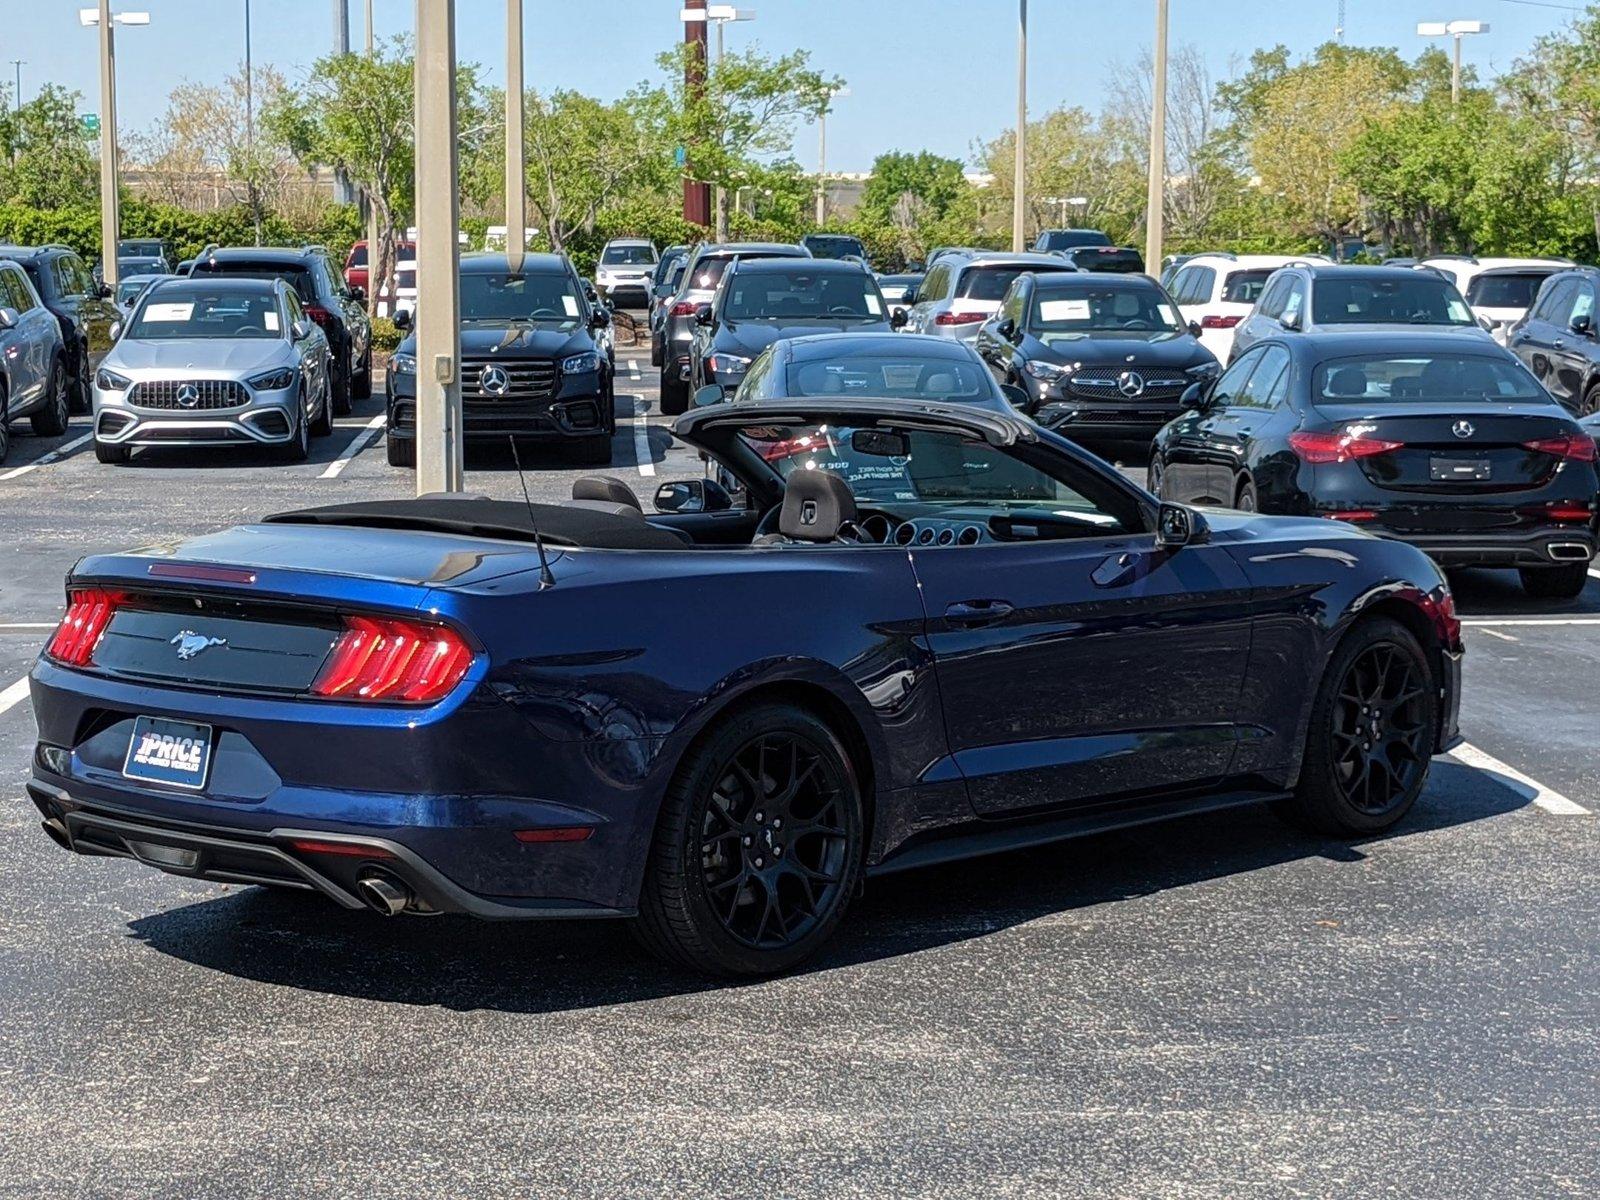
(1557,339)
(899,366)
(337,308)
(145,248)
(760,300)
(834,245)
(1051,240)
(1117,260)
(1445,443)
(532,366)
(83,308)
(1101,356)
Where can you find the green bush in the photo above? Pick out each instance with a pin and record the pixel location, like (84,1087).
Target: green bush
(385,337)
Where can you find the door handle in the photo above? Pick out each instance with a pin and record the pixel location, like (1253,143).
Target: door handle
(978,612)
(1114,570)
(1557,344)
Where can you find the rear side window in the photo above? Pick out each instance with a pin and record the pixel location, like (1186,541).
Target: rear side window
(13,291)
(1266,385)
(1555,300)
(1245,287)
(1515,290)
(1272,299)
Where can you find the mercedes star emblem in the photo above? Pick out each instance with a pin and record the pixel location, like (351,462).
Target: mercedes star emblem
(188,395)
(1463,429)
(1130,384)
(494,380)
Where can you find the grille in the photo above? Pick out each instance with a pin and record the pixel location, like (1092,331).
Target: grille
(1100,383)
(208,394)
(528,379)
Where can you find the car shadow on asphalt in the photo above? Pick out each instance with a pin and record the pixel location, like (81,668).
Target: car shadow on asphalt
(299,940)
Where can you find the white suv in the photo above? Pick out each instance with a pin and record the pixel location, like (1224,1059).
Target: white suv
(623,273)
(1499,290)
(1217,291)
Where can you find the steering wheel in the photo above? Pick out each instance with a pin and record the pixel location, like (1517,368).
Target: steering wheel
(544,312)
(842,310)
(1137,323)
(247,331)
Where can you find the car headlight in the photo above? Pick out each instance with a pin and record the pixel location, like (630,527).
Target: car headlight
(273,381)
(403,364)
(1045,372)
(728,364)
(1206,370)
(110,381)
(578,364)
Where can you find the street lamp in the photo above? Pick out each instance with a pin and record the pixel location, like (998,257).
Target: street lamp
(1156,197)
(1456,30)
(1019,172)
(718,15)
(822,155)
(110,210)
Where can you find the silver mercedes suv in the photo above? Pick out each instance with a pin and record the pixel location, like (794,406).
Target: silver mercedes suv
(214,361)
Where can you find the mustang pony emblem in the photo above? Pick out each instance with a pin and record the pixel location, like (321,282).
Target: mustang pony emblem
(190,643)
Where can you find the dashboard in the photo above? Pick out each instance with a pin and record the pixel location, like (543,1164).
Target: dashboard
(883,528)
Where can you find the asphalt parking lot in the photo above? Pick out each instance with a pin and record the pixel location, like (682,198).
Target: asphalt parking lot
(1217,1007)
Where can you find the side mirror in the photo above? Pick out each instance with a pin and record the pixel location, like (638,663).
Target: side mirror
(709,394)
(898,319)
(1019,398)
(301,329)
(8,318)
(115,331)
(702,316)
(1194,329)
(1006,328)
(599,318)
(1583,324)
(1195,396)
(1290,319)
(692,496)
(402,319)
(105,291)
(1177,526)
(358,293)
(909,297)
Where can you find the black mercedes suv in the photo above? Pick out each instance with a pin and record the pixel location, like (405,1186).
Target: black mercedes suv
(531,367)
(338,309)
(83,308)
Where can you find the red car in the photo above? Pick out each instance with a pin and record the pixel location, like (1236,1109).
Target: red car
(355,264)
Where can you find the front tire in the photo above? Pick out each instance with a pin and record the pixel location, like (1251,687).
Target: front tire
(1369,744)
(1247,500)
(1565,582)
(758,848)
(1155,475)
(298,447)
(112,456)
(51,420)
(5,427)
(402,452)
(674,396)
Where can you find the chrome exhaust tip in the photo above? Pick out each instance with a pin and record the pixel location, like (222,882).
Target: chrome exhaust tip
(1568,551)
(383,895)
(57,832)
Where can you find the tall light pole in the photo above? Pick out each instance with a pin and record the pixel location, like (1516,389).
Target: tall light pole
(372,213)
(342,190)
(516,180)
(1019,172)
(16,97)
(250,108)
(822,155)
(720,15)
(696,195)
(1456,30)
(439,465)
(1155,200)
(110,206)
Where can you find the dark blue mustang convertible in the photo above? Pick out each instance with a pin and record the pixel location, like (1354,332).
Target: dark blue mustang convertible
(929,631)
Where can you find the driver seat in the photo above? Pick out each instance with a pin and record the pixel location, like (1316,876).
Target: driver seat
(817,507)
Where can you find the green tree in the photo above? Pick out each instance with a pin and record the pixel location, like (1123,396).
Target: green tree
(44,158)
(935,183)
(1071,154)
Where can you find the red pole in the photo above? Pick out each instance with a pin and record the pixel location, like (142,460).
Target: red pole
(696,196)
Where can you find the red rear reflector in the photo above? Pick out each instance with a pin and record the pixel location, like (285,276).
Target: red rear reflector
(344,849)
(684,308)
(1337,447)
(382,658)
(960,318)
(1353,514)
(1577,446)
(1441,607)
(318,314)
(89,611)
(1213,321)
(199,571)
(566,833)
(1568,512)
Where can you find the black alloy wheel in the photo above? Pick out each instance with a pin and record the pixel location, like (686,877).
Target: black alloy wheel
(759,846)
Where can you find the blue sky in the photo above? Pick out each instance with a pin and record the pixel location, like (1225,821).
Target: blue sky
(923,74)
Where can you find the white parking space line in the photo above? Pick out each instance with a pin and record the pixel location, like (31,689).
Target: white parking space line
(1504,637)
(1482,622)
(1594,572)
(58,453)
(27,624)
(356,446)
(633,369)
(13,695)
(1541,796)
(641,436)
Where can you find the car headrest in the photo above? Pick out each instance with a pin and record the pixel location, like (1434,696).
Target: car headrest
(941,383)
(631,512)
(816,504)
(604,487)
(1348,381)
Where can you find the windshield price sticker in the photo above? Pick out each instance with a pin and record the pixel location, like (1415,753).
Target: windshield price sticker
(570,304)
(873,306)
(1064,310)
(169,312)
(270,320)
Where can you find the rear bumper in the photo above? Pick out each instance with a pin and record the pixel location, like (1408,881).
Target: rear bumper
(1547,546)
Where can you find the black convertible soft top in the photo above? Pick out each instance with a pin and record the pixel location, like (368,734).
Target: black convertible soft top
(476,516)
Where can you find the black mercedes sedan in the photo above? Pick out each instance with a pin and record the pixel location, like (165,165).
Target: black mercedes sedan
(763,299)
(1100,358)
(1445,443)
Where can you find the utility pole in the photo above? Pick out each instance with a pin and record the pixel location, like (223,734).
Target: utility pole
(1019,180)
(822,155)
(696,195)
(439,460)
(110,203)
(1155,202)
(343,192)
(250,111)
(16,96)
(516,180)
(372,216)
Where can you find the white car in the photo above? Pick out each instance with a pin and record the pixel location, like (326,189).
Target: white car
(624,271)
(405,291)
(1499,290)
(1217,291)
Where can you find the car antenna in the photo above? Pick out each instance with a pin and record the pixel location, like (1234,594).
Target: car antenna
(546,576)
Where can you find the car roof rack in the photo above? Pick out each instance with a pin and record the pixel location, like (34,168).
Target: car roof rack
(1466,258)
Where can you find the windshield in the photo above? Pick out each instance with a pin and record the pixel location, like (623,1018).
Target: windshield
(1505,291)
(140,248)
(498,296)
(212,313)
(296,277)
(1084,309)
(876,373)
(992,283)
(1245,287)
(822,246)
(129,288)
(1424,377)
(1415,300)
(631,256)
(802,295)
(1066,239)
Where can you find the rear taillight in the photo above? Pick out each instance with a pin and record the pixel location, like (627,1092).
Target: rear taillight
(1337,447)
(1562,510)
(684,308)
(1213,321)
(384,658)
(89,611)
(1579,447)
(960,318)
(318,314)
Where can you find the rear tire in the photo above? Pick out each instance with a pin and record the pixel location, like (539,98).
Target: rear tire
(51,420)
(402,452)
(342,385)
(718,895)
(1154,475)
(674,396)
(114,456)
(1370,740)
(82,392)
(1246,500)
(322,426)
(1565,582)
(361,388)
(1591,402)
